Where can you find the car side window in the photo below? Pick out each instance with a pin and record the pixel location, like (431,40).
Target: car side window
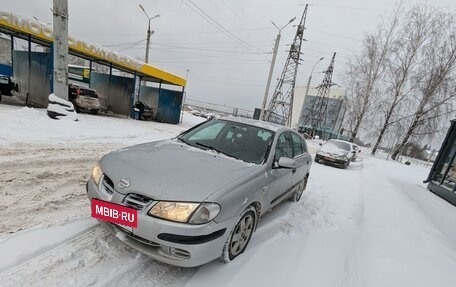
(284,146)
(297,146)
(304,146)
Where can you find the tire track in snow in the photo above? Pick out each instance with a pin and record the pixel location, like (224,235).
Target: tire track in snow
(93,258)
(45,184)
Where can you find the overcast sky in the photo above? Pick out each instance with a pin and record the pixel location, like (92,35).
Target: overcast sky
(231,67)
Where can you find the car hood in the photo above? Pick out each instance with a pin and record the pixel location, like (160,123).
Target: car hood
(171,170)
(332,150)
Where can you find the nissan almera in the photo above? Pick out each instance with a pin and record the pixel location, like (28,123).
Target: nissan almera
(197,197)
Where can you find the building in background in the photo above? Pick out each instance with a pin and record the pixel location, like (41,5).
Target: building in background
(442,177)
(5,55)
(335,112)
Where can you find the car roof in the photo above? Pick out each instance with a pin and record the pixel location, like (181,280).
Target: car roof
(257,123)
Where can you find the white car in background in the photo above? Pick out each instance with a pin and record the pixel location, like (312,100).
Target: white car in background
(337,152)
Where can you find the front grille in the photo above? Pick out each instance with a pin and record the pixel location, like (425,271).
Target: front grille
(107,184)
(136,201)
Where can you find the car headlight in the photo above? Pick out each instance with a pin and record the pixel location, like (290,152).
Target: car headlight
(194,213)
(97,173)
(205,213)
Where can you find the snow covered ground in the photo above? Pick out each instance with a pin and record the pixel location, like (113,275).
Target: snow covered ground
(373,224)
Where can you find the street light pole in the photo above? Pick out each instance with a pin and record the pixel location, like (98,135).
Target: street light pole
(149,32)
(301,119)
(271,68)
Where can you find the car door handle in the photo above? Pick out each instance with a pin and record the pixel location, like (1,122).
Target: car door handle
(293,170)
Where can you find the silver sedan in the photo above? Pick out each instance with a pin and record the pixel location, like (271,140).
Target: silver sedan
(199,196)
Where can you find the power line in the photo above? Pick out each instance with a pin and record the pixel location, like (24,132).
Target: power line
(333,34)
(191,53)
(234,21)
(330,45)
(214,23)
(209,50)
(122,44)
(181,33)
(347,7)
(249,18)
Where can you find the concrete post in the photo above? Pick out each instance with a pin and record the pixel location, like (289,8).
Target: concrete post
(60,50)
(271,71)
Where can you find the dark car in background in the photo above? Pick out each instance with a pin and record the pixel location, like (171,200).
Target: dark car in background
(7,86)
(84,98)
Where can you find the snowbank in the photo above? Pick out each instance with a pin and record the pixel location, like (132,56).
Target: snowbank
(61,109)
(29,125)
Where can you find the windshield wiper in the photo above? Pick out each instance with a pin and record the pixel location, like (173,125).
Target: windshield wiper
(216,150)
(182,140)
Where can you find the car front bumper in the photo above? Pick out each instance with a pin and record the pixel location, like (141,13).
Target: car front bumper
(174,243)
(331,160)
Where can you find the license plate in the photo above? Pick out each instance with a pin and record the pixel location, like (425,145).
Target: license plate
(115,213)
(330,159)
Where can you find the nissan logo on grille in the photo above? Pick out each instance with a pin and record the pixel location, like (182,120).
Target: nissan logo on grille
(124,183)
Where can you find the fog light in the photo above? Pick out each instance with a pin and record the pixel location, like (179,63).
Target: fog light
(181,253)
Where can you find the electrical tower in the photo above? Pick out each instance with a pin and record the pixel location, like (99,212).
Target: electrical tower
(281,103)
(316,116)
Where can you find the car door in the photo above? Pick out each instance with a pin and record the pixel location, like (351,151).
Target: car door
(301,156)
(280,179)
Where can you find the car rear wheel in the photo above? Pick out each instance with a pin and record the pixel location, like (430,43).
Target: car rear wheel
(298,193)
(240,235)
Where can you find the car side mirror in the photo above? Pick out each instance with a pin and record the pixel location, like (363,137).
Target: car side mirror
(320,144)
(285,162)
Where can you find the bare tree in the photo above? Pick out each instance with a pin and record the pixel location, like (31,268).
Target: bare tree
(435,91)
(416,30)
(366,71)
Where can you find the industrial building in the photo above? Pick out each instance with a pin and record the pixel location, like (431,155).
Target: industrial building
(332,122)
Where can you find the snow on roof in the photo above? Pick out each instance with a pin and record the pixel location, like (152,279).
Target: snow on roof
(261,124)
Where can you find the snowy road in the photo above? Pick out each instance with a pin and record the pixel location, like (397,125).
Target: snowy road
(373,224)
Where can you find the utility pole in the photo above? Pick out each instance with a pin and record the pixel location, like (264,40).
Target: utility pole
(271,68)
(281,105)
(60,48)
(149,32)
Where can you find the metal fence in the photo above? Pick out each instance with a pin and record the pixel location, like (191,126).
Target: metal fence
(227,110)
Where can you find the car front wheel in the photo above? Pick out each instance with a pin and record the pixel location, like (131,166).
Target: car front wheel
(240,235)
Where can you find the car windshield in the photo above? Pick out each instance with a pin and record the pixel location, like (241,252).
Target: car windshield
(237,140)
(341,145)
